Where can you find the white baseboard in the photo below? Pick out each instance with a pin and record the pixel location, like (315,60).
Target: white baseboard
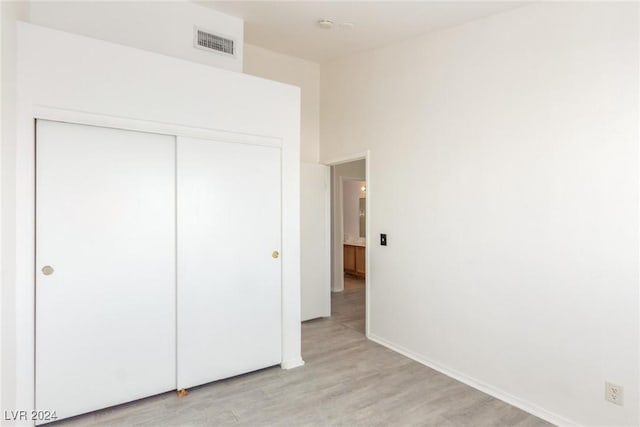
(290,364)
(479,385)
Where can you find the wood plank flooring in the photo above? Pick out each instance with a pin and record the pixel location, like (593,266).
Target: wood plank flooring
(347,381)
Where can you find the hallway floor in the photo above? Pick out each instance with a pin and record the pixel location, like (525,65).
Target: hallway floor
(347,381)
(348,306)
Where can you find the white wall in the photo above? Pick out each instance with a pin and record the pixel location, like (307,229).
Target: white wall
(351,194)
(10,12)
(164,27)
(108,85)
(353,170)
(298,72)
(514,264)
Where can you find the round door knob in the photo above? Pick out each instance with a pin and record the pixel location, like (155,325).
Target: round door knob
(47,270)
(275,254)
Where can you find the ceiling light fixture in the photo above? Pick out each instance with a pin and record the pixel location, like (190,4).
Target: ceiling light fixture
(347,25)
(326,24)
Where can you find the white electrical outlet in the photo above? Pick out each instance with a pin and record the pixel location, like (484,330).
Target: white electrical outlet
(614,393)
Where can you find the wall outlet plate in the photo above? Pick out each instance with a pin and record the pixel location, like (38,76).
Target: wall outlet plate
(614,393)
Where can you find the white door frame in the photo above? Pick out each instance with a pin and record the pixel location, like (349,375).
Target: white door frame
(366,156)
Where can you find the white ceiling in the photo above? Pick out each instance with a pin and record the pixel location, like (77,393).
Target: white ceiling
(290,27)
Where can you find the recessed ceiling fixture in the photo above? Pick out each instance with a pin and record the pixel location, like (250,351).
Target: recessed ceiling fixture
(325,23)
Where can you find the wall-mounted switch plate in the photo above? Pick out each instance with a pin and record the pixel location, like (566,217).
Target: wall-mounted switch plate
(614,393)
(383,240)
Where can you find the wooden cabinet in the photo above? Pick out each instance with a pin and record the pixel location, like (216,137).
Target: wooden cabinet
(354,260)
(360,257)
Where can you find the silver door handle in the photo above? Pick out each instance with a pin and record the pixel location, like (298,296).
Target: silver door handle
(47,270)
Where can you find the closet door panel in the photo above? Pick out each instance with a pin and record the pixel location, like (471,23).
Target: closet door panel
(229,272)
(105,309)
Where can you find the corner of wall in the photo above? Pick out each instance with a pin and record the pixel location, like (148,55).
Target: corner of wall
(10,12)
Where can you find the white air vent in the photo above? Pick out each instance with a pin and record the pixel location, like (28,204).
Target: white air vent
(204,39)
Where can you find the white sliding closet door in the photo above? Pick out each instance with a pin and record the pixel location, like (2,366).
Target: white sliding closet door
(229,275)
(105,257)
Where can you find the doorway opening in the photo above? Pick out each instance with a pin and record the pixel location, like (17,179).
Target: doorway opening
(349,266)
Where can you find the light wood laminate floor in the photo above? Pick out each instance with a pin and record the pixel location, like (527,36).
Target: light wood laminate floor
(347,381)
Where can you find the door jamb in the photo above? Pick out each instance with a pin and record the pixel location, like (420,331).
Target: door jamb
(366,156)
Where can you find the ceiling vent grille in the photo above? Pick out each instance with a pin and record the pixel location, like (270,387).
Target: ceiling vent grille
(213,42)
